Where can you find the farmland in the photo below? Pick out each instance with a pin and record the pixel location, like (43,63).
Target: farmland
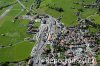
(14,35)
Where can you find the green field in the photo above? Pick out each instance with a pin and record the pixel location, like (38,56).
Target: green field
(14,34)
(16,53)
(69,17)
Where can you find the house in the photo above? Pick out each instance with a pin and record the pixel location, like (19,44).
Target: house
(49,37)
(97,1)
(30,62)
(43,21)
(62,42)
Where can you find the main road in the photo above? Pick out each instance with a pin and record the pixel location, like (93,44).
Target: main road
(43,34)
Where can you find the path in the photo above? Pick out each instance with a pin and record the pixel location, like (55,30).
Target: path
(22,5)
(6,12)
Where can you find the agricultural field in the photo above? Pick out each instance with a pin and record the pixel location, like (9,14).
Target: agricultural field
(13,34)
(16,53)
(69,8)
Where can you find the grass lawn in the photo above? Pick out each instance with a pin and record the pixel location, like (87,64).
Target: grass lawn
(94,30)
(98,58)
(69,17)
(14,34)
(97,18)
(16,53)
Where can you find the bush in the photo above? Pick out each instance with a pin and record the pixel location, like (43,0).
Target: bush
(59,9)
(5,64)
(80,10)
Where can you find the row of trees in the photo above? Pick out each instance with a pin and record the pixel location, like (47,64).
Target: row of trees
(59,9)
(14,62)
(37,3)
(92,23)
(4,64)
(4,6)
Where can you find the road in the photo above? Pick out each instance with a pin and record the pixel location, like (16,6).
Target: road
(6,12)
(51,24)
(22,5)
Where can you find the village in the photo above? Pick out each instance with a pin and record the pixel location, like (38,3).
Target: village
(74,43)
(56,44)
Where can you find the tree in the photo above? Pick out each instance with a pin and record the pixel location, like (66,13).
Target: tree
(80,10)
(5,64)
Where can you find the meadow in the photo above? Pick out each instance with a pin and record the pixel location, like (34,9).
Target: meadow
(14,32)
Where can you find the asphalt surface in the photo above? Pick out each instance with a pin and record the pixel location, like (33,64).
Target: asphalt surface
(51,24)
(41,35)
(6,12)
(22,5)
